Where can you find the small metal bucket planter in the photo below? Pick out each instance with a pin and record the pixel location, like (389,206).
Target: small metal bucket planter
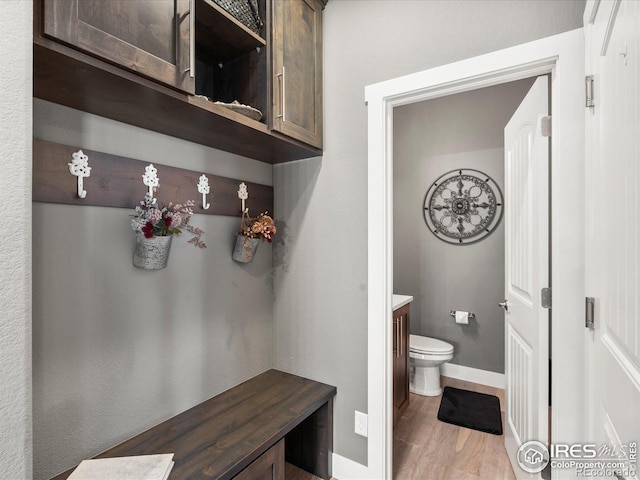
(151,253)
(245,249)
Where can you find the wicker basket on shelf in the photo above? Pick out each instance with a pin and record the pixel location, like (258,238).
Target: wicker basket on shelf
(245,11)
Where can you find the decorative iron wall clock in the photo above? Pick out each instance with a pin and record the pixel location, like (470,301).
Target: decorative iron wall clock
(463,206)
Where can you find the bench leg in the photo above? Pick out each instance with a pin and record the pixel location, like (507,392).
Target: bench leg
(310,445)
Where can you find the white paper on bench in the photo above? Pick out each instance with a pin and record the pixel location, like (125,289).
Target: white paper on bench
(140,467)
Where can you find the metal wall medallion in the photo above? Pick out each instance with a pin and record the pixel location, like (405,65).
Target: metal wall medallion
(463,206)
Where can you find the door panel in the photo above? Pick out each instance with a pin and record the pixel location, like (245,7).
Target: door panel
(519,275)
(297,70)
(527,271)
(519,395)
(145,25)
(151,37)
(613,237)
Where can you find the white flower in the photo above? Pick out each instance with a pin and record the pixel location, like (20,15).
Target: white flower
(176,219)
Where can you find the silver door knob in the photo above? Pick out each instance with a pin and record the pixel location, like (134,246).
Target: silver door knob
(504,305)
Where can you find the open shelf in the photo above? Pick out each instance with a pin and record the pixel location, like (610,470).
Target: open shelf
(220,35)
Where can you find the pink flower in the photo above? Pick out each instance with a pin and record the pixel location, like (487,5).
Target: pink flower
(155,215)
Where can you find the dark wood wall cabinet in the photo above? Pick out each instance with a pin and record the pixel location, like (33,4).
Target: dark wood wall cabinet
(297,70)
(152,38)
(400,361)
(164,64)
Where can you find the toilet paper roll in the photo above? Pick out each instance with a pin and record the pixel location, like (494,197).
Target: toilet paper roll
(462,317)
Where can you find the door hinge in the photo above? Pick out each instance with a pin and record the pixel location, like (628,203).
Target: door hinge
(588,91)
(545,297)
(589,314)
(545,126)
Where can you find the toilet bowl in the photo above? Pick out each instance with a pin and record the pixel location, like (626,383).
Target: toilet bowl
(425,357)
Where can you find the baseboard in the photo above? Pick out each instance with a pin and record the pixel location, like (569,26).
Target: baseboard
(345,469)
(468,374)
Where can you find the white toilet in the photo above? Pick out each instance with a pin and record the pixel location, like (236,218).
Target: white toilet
(425,356)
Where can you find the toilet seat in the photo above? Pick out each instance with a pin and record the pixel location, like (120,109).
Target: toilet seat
(428,345)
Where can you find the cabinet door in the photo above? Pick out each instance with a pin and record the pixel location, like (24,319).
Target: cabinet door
(150,37)
(268,466)
(400,361)
(297,70)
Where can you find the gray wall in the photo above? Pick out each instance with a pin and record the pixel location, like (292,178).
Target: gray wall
(430,139)
(320,310)
(320,303)
(118,349)
(15,238)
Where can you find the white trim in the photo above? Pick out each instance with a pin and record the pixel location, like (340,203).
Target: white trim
(345,469)
(475,375)
(380,275)
(563,57)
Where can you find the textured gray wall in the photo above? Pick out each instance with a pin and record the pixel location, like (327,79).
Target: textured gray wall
(430,139)
(320,303)
(320,311)
(118,349)
(15,238)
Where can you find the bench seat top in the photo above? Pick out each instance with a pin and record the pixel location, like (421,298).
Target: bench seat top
(221,436)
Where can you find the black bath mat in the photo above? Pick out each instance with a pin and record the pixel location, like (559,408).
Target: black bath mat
(478,411)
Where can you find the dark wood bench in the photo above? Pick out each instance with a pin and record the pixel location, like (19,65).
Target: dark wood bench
(245,432)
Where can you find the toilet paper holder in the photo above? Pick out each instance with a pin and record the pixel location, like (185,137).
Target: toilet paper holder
(453,314)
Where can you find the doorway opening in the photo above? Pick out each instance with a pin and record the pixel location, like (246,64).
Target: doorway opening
(561,57)
(450,257)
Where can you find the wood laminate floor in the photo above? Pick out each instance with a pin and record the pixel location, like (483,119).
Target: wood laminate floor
(292,472)
(424,448)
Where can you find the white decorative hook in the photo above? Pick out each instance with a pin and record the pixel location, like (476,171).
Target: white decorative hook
(79,167)
(150,179)
(203,188)
(243,194)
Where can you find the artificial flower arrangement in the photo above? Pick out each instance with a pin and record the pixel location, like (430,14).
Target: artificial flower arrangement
(262,227)
(153,221)
(252,230)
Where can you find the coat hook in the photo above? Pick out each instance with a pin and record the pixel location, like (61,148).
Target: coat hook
(79,167)
(150,179)
(243,194)
(203,188)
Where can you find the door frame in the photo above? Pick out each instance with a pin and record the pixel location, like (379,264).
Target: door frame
(562,56)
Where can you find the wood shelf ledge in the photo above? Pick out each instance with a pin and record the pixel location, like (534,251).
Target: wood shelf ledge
(68,77)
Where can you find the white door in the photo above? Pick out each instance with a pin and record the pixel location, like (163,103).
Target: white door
(613,236)
(527,272)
